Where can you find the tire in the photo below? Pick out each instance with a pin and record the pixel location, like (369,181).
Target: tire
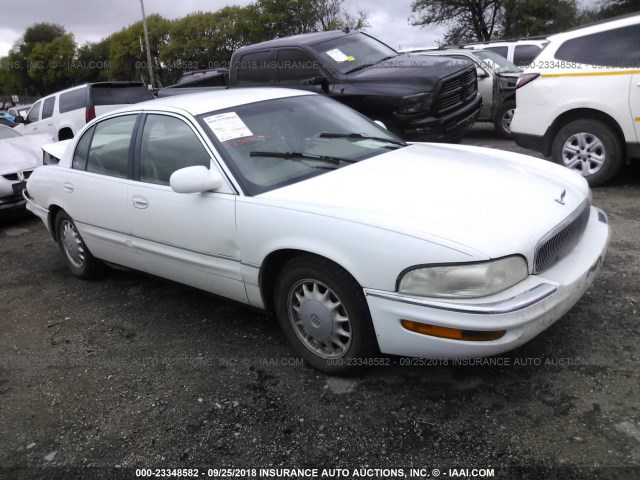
(75,253)
(502,122)
(324,315)
(591,148)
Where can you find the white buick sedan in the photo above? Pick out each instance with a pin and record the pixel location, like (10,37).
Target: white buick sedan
(358,242)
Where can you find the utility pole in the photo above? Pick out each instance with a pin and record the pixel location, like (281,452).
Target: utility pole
(146,42)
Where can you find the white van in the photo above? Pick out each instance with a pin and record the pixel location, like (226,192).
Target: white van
(62,114)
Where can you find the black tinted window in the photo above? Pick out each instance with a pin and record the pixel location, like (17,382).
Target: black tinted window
(119,95)
(82,150)
(255,68)
(504,51)
(613,48)
(47,108)
(525,54)
(109,150)
(73,100)
(295,65)
(34,113)
(168,144)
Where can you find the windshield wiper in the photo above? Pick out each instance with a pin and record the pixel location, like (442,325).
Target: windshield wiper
(359,136)
(369,64)
(300,155)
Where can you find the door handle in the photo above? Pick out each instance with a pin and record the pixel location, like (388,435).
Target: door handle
(139,202)
(68,187)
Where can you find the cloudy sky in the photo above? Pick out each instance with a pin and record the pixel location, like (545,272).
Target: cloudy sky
(92,20)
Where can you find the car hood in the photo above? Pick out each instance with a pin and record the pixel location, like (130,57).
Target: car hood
(482,200)
(418,70)
(21,153)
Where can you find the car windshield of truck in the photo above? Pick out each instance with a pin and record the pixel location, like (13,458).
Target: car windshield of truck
(353,52)
(275,143)
(495,62)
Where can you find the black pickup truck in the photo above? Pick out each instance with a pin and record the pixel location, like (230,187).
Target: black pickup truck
(419,98)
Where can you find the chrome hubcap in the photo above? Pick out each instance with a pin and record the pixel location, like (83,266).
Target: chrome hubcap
(506,120)
(72,244)
(583,152)
(319,319)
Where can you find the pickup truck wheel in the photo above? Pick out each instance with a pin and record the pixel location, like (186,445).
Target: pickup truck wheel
(591,148)
(75,253)
(503,119)
(324,315)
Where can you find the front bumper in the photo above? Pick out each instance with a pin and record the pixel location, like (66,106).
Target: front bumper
(523,311)
(8,204)
(450,127)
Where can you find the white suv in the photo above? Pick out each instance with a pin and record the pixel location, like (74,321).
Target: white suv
(580,101)
(62,114)
(519,52)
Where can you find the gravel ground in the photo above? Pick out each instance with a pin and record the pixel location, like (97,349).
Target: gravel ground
(100,377)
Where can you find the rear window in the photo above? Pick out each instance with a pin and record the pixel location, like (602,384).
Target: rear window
(73,100)
(614,48)
(119,95)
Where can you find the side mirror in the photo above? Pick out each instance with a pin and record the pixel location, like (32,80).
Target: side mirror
(196,179)
(481,73)
(18,119)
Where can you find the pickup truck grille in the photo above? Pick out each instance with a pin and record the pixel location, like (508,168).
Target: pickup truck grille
(556,244)
(457,90)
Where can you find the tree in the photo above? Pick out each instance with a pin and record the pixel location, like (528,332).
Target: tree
(50,64)
(613,8)
(468,20)
(524,18)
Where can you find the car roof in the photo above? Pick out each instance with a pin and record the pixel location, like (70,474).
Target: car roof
(302,39)
(601,26)
(219,99)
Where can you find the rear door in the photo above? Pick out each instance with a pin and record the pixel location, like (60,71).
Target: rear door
(95,188)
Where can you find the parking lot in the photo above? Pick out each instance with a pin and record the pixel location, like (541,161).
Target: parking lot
(130,371)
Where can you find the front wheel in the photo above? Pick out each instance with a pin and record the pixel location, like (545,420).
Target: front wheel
(75,253)
(324,315)
(502,122)
(589,147)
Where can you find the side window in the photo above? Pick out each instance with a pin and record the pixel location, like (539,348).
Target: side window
(109,150)
(82,150)
(523,55)
(295,65)
(47,108)
(73,100)
(168,144)
(34,113)
(614,48)
(502,51)
(256,68)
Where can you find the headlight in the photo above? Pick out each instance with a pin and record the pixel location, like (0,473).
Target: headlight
(415,103)
(464,280)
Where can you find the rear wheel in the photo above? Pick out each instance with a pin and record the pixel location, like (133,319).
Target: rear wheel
(589,147)
(74,251)
(324,315)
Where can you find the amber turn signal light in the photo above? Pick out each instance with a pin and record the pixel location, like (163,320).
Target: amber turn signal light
(452,333)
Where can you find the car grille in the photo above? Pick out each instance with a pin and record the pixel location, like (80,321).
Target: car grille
(556,244)
(16,176)
(457,90)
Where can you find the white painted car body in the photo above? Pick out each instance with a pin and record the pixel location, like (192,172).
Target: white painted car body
(563,89)
(19,156)
(422,204)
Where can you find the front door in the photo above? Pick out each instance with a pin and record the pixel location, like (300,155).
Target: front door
(189,238)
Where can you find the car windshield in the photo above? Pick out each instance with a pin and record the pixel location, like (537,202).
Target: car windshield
(275,143)
(495,62)
(353,52)
(7,132)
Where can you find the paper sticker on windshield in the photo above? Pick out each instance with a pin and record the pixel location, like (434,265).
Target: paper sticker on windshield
(227,126)
(339,56)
